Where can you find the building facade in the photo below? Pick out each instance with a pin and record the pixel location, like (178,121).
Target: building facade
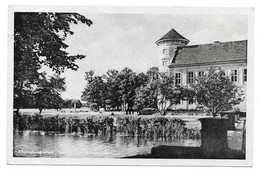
(186,62)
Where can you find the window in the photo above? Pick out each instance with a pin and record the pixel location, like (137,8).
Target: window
(164,63)
(190,77)
(165,51)
(177,78)
(234,75)
(201,73)
(245,75)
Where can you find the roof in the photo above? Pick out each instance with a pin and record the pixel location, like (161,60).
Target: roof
(172,35)
(208,53)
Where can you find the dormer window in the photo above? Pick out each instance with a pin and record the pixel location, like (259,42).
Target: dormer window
(165,51)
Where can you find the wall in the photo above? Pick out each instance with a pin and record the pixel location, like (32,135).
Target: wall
(227,67)
(170,46)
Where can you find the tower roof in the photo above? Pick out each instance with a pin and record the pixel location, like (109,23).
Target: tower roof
(173,35)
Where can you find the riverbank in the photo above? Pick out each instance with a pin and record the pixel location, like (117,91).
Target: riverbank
(99,135)
(234,150)
(152,126)
(85,112)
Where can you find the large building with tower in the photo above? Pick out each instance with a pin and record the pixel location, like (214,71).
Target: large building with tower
(186,62)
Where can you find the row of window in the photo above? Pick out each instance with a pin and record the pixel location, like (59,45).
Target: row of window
(191,76)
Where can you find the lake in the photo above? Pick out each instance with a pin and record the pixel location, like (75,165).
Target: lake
(27,144)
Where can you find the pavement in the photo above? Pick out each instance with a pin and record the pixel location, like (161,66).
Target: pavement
(235,137)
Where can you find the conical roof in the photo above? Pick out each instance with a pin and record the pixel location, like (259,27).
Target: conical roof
(174,36)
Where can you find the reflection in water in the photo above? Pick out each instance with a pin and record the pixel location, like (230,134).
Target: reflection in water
(27,144)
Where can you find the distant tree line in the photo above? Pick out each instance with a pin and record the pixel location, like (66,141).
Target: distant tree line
(48,99)
(71,103)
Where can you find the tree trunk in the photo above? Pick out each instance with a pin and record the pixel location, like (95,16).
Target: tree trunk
(17,110)
(40,110)
(75,107)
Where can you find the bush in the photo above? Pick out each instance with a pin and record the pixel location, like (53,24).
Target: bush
(148,111)
(148,126)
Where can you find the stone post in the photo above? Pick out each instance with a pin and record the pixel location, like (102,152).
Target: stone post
(232,118)
(213,136)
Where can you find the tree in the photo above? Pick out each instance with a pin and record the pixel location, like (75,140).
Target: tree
(127,88)
(95,90)
(47,93)
(160,92)
(112,85)
(215,91)
(146,96)
(147,92)
(39,40)
(69,103)
(168,93)
(153,74)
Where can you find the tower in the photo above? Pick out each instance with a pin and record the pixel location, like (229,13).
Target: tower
(167,47)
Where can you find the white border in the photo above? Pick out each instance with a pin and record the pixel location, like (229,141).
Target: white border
(154,10)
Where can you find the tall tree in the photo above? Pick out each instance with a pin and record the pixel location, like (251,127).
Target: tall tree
(160,92)
(39,40)
(153,74)
(47,93)
(169,94)
(216,91)
(146,96)
(127,88)
(112,84)
(95,90)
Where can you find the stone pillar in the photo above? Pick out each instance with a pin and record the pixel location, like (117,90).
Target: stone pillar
(232,118)
(184,78)
(240,76)
(213,136)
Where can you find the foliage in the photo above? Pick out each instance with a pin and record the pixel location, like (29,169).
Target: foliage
(69,103)
(127,88)
(95,90)
(113,90)
(160,92)
(47,93)
(146,96)
(215,91)
(153,74)
(146,126)
(112,86)
(39,39)
(169,94)
(133,91)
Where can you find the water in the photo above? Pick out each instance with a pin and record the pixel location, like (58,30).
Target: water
(27,144)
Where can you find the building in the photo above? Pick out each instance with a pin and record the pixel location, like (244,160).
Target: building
(185,61)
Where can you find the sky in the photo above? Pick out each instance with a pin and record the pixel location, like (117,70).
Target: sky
(115,41)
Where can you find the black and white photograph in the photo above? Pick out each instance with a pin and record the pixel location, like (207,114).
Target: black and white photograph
(117,85)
